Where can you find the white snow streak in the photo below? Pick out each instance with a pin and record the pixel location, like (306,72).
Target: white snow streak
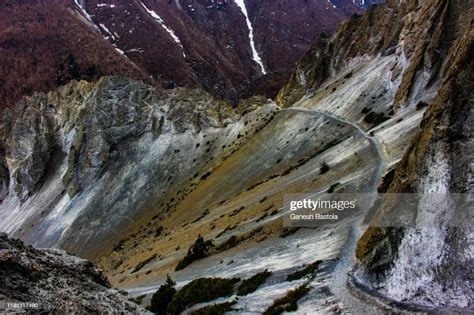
(101,5)
(80,4)
(120,51)
(107,30)
(167,29)
(256,57)
(87,16)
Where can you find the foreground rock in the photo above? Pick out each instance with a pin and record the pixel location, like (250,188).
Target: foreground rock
(53,280)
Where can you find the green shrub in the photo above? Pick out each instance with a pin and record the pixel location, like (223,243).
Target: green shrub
(230,243)
(158,231)
(215,309)
(308,270)
(289,231)
(142,264)
(199,291)
(333,187)
(365,110)
(251,284)
(139,299)
(375,119)
(288,303)
(198,250)
(324,168)
(162,298)
(119,245)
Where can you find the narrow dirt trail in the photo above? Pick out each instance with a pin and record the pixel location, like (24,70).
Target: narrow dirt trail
(338,284)
(342,246)
(373,140)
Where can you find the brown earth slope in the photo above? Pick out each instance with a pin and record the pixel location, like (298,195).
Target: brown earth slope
(45,44)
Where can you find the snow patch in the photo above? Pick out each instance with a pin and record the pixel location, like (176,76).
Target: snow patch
(107,31)
(167,29)
(80,4)
(101,5)
(120,51)
(256,57)
(424,249)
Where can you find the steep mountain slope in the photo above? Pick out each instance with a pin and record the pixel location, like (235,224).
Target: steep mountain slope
(204,44)
(46,44)
(172,165)
(394,260)
(424,62)
(52,281)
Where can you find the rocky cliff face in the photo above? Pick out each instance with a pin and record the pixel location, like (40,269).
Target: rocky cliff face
(430,264)
(54,281)
(204,44)
(84,135)
(426,266)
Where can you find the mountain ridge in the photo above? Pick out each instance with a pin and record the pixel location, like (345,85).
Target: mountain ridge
(47,44)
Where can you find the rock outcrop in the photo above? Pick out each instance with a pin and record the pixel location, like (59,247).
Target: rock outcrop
(429,47)
(53,281)
(420,34)
(117,138)
(430,262)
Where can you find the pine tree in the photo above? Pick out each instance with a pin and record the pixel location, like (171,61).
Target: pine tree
(162,298)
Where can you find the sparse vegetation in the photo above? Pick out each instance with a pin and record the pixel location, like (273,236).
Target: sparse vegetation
(288,303)
(386,181)
(375,119)
(235,240)
(421,105)
(262,217)
(202,216)
(198,250)
(143,263)
(139,299)
(163,297)
(231,242)
(158,231)
(119,245)
(333,187)
(251,284)
(227,229)
(199,291)
(306,271)
(365,110)
(236,211)
(324,168)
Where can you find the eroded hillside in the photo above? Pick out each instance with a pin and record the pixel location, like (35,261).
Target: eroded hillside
(138,179)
